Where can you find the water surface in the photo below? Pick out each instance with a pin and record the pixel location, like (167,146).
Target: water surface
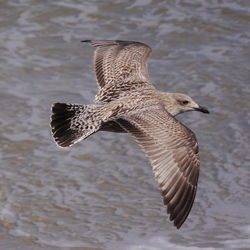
(101,193)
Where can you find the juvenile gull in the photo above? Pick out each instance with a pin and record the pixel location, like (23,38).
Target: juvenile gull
(128,102)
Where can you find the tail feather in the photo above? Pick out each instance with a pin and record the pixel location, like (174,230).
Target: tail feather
(71,123)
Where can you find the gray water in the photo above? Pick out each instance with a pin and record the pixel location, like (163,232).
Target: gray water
(101,193)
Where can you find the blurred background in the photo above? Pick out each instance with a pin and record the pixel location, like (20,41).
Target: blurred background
(101,193)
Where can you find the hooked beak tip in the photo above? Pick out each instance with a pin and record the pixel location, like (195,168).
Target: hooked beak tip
(202,109)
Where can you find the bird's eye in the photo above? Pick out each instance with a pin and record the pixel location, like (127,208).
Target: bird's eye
(184,102)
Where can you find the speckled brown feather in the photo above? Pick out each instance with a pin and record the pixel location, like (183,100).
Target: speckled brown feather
(71,123)
(120,67)
(130,103)
(173,151)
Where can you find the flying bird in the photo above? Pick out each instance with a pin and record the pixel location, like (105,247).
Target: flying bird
(127,102)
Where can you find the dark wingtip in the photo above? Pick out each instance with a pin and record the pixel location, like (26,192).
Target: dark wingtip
(104,43)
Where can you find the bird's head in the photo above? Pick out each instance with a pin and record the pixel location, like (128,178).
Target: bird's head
(182,103)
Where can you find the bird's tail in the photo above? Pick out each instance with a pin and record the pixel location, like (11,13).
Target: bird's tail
(71,123)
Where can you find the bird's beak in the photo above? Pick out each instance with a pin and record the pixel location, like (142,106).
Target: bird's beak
(202,109)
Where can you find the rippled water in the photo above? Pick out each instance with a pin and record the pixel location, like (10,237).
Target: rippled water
(101,194)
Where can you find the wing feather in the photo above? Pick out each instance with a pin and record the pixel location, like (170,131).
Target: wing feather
(173,152)
(119,66)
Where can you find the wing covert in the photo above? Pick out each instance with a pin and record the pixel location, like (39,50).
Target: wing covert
(173,152)
(120,67)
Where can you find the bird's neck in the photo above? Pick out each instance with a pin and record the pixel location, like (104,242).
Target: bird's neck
(169,103)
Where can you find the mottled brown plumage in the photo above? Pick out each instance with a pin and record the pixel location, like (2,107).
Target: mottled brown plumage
(120,67)
(128,102)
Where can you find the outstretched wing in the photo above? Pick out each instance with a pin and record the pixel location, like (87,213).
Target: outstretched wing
(120,61)
(173,151)
(120,67)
